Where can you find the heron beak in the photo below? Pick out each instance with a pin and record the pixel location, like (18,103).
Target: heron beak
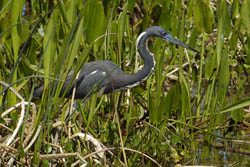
(171,39)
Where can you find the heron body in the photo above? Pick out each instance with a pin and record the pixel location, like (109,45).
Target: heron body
(107,76)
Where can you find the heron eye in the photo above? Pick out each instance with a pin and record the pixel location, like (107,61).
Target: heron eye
(164,33)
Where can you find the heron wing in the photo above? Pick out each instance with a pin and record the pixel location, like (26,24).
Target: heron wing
(94,81)
(71,82)
(94,74)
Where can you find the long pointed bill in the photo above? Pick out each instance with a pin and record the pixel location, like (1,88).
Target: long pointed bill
(171,39)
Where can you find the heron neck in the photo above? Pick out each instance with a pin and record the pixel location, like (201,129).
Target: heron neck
(149,61)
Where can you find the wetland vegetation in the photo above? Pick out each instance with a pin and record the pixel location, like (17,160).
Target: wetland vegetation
(198,105)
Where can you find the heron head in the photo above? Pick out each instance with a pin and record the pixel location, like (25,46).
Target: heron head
(161,33)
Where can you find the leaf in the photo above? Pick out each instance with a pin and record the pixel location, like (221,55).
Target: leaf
(235,33)
(167,102)
(166,17)
(198,18)
(25,31)
(49,47)
(238,105)
(190,8)
(193,38)
(152,109)
(185,96)
(5,5)
(94,20)
(223,15)
(121,26)
(75,45)
(235,9)
(15,37)
(238,115)
(219,42)
(92,107)
(203,16)
(208,16)
(164,106)
(31,66)
(71,12)
(210,65)
(223,76)
(5,27)
(131,5)
(245,14)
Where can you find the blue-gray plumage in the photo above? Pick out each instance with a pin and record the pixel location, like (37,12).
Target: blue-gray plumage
(108,77)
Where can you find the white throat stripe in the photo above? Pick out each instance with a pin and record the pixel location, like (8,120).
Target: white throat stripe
(139,38)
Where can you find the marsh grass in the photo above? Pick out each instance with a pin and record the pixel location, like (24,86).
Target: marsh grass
(205,101)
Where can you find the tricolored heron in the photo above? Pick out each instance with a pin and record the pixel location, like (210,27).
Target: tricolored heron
(108,77)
